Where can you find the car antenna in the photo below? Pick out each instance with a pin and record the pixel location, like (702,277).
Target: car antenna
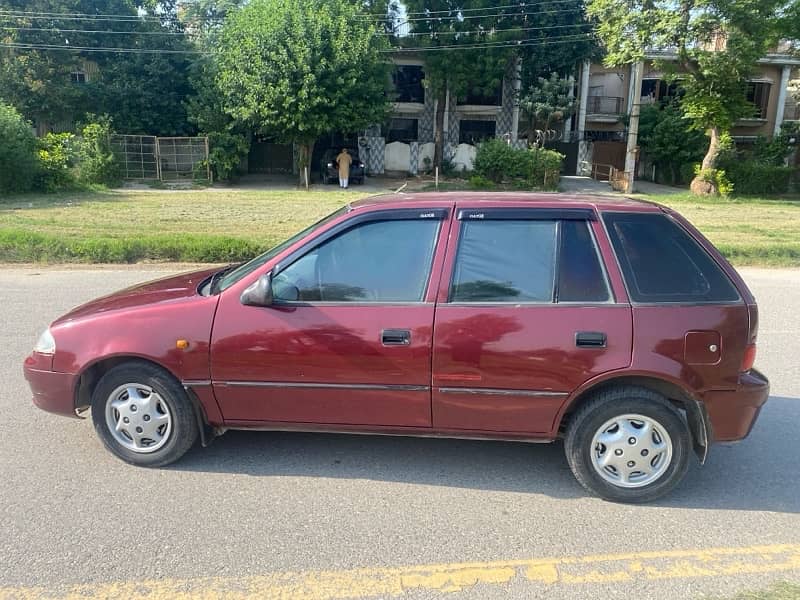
(401,188)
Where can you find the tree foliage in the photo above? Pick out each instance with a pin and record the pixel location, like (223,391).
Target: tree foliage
(297,69)
(144,93)
(546,103)
(668,139)
(714,43)
(538,38)
(18,161)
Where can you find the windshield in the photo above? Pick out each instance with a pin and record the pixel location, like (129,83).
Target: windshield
(262,259)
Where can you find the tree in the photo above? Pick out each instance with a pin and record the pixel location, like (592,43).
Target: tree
(546,103)
(668,139)
(715,43)
(143,91)
(18,164)
(471,45)
(297,69)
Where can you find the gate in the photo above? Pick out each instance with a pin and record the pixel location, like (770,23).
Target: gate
(146,157)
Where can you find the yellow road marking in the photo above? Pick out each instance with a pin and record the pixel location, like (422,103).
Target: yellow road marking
(453,577)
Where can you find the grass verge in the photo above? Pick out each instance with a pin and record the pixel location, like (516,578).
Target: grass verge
(215,225)
(125,226)
(778,591)
(748,231)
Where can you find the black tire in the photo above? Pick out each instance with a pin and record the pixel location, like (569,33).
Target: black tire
(182,431)
(607,405)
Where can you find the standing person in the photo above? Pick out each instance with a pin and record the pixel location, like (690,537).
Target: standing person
(344,160)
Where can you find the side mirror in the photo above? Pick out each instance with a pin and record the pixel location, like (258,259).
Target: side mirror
(259,293)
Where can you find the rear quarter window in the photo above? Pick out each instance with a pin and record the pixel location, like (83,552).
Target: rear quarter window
(661,262)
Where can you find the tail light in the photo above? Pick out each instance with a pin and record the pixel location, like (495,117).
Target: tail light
(749,358)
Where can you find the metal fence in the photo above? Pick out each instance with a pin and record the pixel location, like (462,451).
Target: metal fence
(146,157)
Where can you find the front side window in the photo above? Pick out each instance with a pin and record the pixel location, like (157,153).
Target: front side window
(661,262)
(505,261)
(379,261)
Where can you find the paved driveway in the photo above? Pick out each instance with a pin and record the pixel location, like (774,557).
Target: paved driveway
(326,516)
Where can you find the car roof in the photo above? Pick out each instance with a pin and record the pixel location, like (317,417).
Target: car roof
(598,202)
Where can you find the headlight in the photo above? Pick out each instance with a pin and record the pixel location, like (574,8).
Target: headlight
(330,165)
(46,343)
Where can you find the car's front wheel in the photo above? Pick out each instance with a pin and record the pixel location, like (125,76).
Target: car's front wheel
(628,444)
(143,415)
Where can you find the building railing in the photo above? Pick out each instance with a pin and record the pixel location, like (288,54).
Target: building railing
(604,105)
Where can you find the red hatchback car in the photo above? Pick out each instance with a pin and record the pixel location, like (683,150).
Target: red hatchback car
(610,323)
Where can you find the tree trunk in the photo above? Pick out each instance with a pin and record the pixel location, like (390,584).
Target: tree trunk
(438,131)
(701,184)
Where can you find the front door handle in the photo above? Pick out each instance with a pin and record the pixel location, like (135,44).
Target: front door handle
(395,337)
(590,339)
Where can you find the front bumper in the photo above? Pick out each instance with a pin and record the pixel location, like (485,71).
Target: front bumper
(733,413)
(52,391)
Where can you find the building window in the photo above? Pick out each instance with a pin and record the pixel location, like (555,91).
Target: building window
(484,96)
(472,132)
(78,77)
(407,81)
(402,130)
(758,95)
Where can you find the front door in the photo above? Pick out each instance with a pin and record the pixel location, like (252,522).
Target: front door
(348,340)
(525,316)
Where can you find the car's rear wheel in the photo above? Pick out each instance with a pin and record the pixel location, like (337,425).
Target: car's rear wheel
(628,444)
(143,415)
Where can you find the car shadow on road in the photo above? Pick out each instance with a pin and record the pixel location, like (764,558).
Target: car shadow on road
(757,474)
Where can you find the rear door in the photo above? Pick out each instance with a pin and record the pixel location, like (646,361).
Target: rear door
(525,316)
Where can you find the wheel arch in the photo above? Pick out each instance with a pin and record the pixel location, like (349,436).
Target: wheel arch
(693,409)
(90,376)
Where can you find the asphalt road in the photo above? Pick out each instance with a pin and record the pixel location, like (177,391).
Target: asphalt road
(319,516)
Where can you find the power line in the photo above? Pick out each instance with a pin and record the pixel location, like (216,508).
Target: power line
(103,31)
(24,46)
(503,44)
(467,46)
(484,31)
(24,14)
(488,31)
(458,16)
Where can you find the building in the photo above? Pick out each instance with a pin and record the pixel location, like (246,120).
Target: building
(607,96)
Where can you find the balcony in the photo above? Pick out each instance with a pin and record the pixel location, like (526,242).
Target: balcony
(604,109)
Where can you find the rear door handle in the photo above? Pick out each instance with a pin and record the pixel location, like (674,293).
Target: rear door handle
(590,339)
(395,337)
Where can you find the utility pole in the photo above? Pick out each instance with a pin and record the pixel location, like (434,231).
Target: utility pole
(633,127)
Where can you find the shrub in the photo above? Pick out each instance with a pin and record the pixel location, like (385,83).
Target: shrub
(479,182)
(717,178)
(18,160)
(56,162)
(753,179)
(227,149)
(497,161)
(97,163)
(544,168)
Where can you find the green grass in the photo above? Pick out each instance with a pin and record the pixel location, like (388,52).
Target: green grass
(748,231)
(132,225)
(778,591)
(225,225)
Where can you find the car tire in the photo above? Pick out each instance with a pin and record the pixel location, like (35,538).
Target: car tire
(628,444)
(155,419)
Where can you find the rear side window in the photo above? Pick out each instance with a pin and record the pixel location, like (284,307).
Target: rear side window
(505,261)
(661,262)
